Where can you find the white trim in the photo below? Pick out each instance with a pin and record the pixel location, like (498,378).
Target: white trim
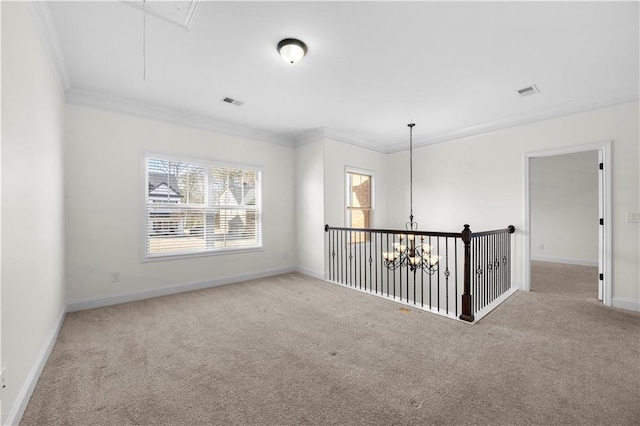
(343,137)
(311,136)
(584,105)
(46,30)
(310,273)
(624,303)
(209,164)
(441,312)
(20,404)
(347,193)
(566,260)
(132,296)
(605,148)
(174,116)
(491,306)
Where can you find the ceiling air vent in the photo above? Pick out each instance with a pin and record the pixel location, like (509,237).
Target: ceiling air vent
(528,91)
(232,101)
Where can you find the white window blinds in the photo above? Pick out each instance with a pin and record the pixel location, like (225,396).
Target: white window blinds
(195,207)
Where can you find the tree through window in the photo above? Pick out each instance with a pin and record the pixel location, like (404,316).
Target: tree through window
(197,206)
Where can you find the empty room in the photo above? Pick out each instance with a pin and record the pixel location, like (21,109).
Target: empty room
(285,213)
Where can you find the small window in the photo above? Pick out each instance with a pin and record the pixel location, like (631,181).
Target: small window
(359,200)
(198,207)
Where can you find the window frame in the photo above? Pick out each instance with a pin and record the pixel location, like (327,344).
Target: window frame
(372,175)
(209,164)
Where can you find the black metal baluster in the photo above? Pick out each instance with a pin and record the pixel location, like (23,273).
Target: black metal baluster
(503,259)
(343,249)
(421,275)
(371,279)
(430,278)
(455,257)
(360,256)
(496,264)
(496,267)
(509,259)
(408,265)
(438,278)
(332,264)
(394,272)
(486,262)
(388,279)
(446,271)
(477,274)
(352,279)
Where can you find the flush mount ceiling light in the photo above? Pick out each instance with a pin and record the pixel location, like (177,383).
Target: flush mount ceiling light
(292,50)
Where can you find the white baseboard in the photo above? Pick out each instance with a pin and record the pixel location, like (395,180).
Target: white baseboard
(491,306)
(22,400)
(20,404)
(624,303)
(567,260)
(311,273)
(132,296)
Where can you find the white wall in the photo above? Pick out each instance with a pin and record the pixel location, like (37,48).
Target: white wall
(320,194)
(310,202)
(480,180)
(564,208)
(338,156)
(104,203)
(33,296)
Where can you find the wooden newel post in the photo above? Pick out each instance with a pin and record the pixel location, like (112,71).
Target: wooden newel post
(467,312)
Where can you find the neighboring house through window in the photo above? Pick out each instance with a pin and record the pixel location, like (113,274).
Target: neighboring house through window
(359,198)
(198,207)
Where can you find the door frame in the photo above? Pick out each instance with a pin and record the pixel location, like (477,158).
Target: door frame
(604,152)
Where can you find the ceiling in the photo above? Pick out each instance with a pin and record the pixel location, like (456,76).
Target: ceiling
(453,68)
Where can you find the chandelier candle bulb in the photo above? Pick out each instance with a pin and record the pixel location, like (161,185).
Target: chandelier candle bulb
(389,255)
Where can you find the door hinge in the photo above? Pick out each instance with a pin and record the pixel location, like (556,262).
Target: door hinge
(601,221)
(601,166)
(601,277)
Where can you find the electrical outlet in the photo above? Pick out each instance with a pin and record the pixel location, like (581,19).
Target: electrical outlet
(115,277)
(285,256)
(633,217)
(541,247)
(2,385)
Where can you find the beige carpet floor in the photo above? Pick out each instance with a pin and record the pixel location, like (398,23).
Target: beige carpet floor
(292,350)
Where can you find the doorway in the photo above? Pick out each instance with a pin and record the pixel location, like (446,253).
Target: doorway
(567,231)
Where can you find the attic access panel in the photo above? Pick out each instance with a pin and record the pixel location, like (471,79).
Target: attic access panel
(177,12)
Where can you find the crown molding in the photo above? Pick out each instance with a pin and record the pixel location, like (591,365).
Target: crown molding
(575,107)
(311,136)
(172,115)
(323,133)
(43,22)
(350,139)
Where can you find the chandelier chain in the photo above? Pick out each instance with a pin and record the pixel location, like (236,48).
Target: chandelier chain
(411,171)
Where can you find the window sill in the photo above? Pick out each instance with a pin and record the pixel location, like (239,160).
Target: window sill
(158,258)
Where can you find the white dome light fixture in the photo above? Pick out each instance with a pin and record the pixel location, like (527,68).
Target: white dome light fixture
(292,50)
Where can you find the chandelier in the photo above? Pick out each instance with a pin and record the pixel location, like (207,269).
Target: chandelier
(409,252)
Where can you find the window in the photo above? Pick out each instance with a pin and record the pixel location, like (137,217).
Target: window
(197,207)
(359,199)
